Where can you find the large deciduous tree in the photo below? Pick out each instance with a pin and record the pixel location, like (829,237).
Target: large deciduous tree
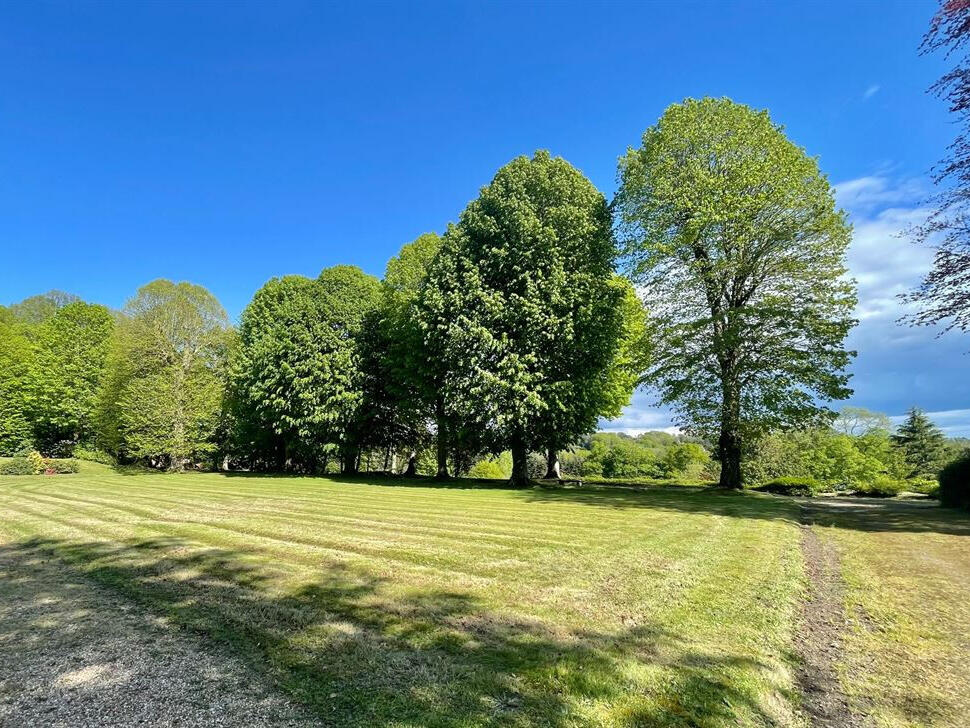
(521,309)
(163,395)
(943,297)
(16,367)
(71,351)
(297,387)
(733,233)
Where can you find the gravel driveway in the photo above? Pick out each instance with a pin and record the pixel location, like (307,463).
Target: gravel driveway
(72,654)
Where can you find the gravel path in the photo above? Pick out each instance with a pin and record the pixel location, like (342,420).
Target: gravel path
(72,654)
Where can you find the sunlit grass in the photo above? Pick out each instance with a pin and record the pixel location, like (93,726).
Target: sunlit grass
(382,604)
(907,573)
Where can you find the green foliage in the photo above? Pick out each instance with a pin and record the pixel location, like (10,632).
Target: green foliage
(38,309)
(297,385)
(496,468)
(687,459)
(882,486)
(522,312)
(649,456)
(61,466)
(20,465)
(16,371)
(927,486)
(733,234)
(162,398)
(398,394)
(94,455)
(838,461)
(955,483)
(922,443)
(808,487)
(68,372)
(858,421)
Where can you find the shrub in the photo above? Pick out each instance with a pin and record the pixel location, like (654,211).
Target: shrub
(17,466)
(927,486)
(792,486)
(955,483)
(881,487)
(487,469)
(61,466)
(36,461)
(94,455)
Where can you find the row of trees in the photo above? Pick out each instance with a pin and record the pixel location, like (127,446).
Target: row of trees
(513,331)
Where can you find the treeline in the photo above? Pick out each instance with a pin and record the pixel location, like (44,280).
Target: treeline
(512,332)
(515,331)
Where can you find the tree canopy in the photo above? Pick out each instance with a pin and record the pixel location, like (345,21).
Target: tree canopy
(733,234)
(297,387)
(521,306)
(163,397)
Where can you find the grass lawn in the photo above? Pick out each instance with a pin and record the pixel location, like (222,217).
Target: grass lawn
(381,603)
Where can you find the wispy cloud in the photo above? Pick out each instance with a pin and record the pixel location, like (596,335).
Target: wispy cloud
(870,92)
(897,366)
(954,423)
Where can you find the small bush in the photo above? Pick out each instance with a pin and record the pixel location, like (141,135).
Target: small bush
(792,486)
(927,486)
(93,455)
(17,466)
(36,460)
(487,469)
(61,466)
(882,487)
(955,483)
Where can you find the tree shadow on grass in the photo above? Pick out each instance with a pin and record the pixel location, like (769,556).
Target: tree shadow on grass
(864,514)
(361,650)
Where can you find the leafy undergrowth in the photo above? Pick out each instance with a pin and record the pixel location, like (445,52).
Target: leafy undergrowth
(416,605)
(906,566)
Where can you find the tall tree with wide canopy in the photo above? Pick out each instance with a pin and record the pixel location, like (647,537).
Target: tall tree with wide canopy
(296,376)
(733,233)
(521,310)
(163,396)
(71,353)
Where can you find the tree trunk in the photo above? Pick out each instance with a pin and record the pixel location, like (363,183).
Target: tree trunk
(520,462)
(350,463)
(442,441)
(729,442)
(394,463)
(553,471)
(412,468)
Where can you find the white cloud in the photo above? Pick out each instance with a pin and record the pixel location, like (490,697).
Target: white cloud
(870,92)
(954,423)
(898,366)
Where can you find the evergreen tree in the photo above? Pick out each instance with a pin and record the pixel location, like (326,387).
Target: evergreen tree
(922,443)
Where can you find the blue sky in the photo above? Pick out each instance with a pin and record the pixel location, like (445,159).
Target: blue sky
(225,143)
